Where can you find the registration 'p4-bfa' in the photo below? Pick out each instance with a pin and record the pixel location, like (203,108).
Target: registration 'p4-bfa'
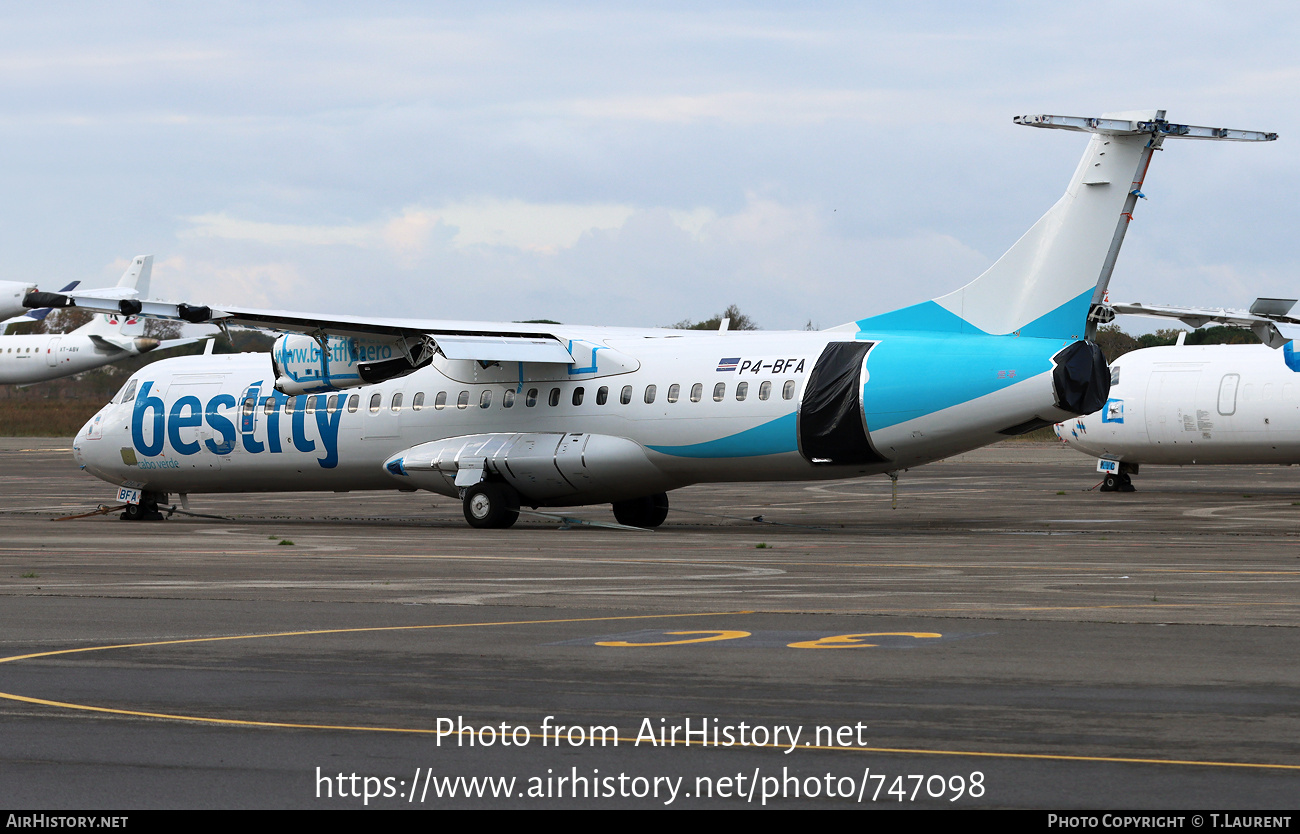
(504,415)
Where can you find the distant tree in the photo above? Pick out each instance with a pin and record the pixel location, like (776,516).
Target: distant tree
(162,329)
(66,320)
(739,321)
(1222,335)
(245,341)
(1114,342)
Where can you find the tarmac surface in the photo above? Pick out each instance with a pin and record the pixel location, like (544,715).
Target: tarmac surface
(1005,637)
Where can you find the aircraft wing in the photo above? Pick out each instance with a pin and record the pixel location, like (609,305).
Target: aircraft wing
(481,341)
(1262,318)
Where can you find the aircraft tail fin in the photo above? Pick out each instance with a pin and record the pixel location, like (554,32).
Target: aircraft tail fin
(125,332)
(1049,281)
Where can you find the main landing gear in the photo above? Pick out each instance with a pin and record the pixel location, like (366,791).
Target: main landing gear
(649,511)
(147,509)
(491,505)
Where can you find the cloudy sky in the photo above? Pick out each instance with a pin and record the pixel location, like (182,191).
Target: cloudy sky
(627,164)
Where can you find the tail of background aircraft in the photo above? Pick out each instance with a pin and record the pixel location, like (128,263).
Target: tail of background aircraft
(1047,283)
(113,331)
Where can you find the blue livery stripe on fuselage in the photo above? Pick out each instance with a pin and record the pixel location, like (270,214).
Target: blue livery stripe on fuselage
(910,375)
(1065,322)
(771,438)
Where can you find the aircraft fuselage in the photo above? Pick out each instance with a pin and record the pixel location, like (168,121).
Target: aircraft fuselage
(1184,405)
(698,407)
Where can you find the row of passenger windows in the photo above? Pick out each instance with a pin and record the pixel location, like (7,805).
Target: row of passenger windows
(509,398)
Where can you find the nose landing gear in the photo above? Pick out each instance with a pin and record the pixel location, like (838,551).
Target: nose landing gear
(147,509)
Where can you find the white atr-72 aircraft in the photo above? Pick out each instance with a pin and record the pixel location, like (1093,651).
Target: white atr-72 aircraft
(108,338)
(504,415)
(1186,405)
(11,297)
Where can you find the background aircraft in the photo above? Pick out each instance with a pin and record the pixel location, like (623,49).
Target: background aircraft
(11,297)
(1188,405)
(109,337)
(33,316)
(509,414)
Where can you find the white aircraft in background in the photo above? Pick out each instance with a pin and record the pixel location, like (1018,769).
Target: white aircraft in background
(108,338)
(503,415)
(1188,405)
(33,316)
(12,294)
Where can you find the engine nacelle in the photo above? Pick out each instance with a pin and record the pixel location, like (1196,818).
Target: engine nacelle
(547,468)
(301,367)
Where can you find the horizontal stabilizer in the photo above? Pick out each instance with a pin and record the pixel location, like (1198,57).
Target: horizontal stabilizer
(1117,125)
(1262,318)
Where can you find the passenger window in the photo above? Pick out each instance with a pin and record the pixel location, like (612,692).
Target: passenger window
(440,401)
(250,405)
(787,390)
(396,404)
(697,392)
(311,404)
(290,405)
(602,395)
(336,402)
(577,395)
(462,401)
(742,391)
(531,399)
(375,399)
(554,399)
(673,391)
(418,402)
(719,391)
(485,399)
(508,398)
(625,396)
(650,394)
(269,405)
(354,402)
(765,390)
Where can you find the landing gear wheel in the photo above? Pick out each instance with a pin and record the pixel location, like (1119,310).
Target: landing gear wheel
(649,511)
(147,509)
(491,506)
(1110,484)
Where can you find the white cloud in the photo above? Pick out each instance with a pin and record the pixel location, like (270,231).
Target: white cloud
(544,228)
(246,284)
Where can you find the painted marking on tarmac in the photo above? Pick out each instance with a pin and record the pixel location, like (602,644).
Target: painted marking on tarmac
(771,639)
(557,737)
(710,637)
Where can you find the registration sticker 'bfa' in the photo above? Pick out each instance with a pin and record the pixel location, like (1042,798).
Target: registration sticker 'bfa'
(761,364)
(128,496)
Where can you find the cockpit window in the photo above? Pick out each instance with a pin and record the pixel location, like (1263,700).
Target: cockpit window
(1114,375)
(128,392)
